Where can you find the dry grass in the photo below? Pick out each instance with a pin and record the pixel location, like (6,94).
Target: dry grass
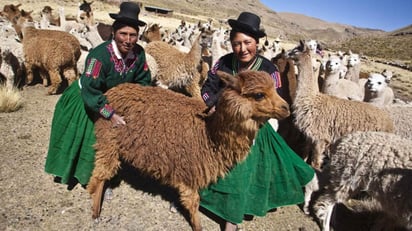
(386,47)
(10,99)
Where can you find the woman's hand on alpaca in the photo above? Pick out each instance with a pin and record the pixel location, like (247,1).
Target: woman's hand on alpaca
(117,120)
(212,110)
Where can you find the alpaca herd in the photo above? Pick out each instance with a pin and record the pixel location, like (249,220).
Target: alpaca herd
(324,118)
(367,141)
(349,128)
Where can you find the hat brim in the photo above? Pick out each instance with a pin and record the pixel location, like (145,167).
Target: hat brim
(246,28)
(127,20)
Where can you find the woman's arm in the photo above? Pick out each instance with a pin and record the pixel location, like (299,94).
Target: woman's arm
(211,89)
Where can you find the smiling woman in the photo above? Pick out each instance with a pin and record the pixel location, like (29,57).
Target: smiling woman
(257,184)
(125,37)
(119,60)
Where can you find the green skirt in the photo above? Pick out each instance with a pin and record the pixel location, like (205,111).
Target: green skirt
(71,153)
(272,175)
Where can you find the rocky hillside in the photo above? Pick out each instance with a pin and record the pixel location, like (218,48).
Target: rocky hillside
(293,27)
(393,46)
(286,25)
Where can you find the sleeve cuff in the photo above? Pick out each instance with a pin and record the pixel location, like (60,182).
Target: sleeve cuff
(107,111)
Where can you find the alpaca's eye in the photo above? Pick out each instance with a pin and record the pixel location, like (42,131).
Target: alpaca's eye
(259,96)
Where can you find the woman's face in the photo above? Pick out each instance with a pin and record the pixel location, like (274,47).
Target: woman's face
(244,47)
(125,38)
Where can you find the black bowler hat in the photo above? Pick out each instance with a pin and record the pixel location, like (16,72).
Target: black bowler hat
(249,23)
(129,14)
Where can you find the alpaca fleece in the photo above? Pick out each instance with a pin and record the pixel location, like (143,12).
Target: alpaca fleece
(169,137)
(378,163)
(54,52)
(176,69)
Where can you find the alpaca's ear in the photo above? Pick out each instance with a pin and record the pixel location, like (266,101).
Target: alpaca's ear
(228,79)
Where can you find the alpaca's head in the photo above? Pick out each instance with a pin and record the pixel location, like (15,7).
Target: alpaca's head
(312,45)
(334,64)
(47,10)
(301,54)
(24,20)
(251,95)
(376,83)
(85,11)
(388,74)
(11,12)
(353,59)
(85,6)
(152,33)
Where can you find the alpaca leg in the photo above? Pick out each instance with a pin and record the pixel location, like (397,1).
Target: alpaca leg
(318,155)
(45,83)
(326,222)
(29,73)
(190,200)
(70,75)
(323,209)
(106,166)
(7,70)
(95,187)
(97,197)
(310,187)
(307,151)
(55,80)
(43,75)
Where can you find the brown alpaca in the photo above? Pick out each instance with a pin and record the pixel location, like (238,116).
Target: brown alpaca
(170,138)
(286,67)
(47,13)
(152,33)
(54,52)
(177,70)
(287,129)
(11,12)
(86,16)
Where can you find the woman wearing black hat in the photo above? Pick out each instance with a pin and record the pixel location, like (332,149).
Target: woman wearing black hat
(70,156)
(272,175)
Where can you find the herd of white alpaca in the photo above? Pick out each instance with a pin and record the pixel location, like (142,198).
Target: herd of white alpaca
(351,122)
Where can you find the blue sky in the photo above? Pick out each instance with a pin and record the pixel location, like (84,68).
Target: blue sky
(387,15)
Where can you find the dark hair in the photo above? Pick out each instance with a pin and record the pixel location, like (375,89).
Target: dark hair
(235,30)
(117,24)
